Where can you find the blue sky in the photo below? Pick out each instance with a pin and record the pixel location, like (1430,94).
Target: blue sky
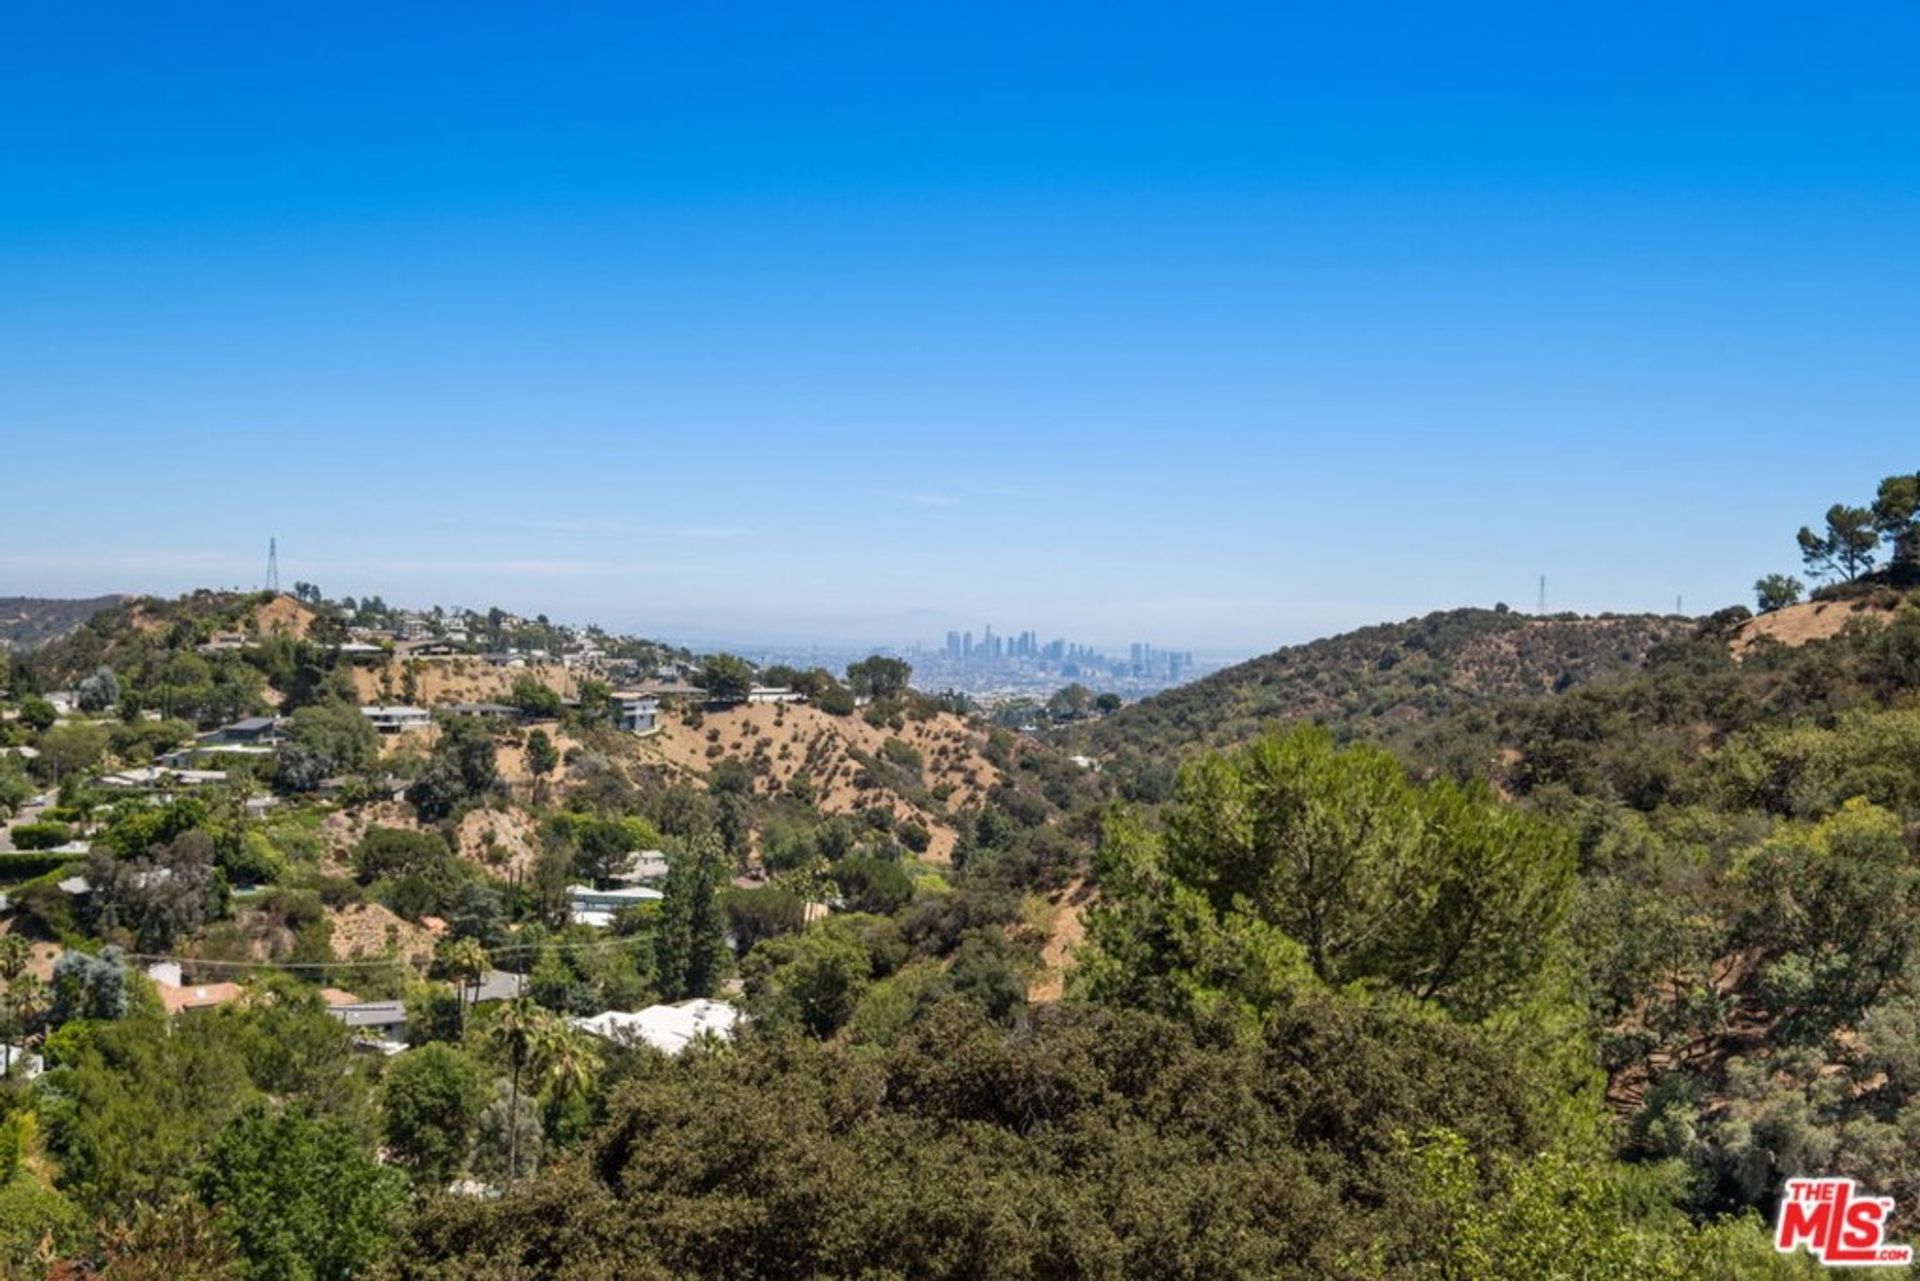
(1209,325)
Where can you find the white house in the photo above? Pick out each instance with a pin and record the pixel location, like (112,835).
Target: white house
(636,711)
(774,694)
(588,906)
(667,1028)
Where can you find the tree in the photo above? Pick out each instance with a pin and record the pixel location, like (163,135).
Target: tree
(815,979)
(1896,517)
(434,1097)
(567,1059)
(324,739)
(299,1198)
(156,898)
(463,768)
(89,987)
(1845,548)
(1293,857)
(464,961)
(876,885)
(542,758)
(66,750)
(1777,591)
(536,698)
(727,678)
(878,677)
(1070,702)
(16,954)
(517,1029)
(692,944)
(396,851)
(99,691)
(39,713)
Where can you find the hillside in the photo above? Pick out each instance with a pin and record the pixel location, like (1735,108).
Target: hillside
(1387,675)
(925,770)
(26,621)
(1810,621)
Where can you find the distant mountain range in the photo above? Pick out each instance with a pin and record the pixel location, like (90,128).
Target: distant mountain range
(26,621)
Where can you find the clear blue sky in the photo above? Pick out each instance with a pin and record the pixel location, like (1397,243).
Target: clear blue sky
(1201,324)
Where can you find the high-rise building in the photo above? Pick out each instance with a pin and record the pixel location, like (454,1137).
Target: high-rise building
(953,646)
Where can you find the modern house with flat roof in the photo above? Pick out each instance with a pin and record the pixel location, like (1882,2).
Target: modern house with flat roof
(636,711)
(384,1022)
(397,717)
(588,906)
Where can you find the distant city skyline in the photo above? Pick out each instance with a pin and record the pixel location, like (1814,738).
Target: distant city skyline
(1234,325)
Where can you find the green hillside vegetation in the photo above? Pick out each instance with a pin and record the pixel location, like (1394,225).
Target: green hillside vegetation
(1388,682)
(27,621)
(1475,946)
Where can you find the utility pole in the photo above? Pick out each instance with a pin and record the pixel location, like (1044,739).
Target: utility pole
(1543,596)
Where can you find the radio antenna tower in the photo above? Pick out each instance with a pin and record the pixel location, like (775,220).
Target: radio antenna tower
(273,566)
(1543,595)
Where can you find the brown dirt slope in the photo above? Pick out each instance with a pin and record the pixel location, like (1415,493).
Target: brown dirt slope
(1810,621)
(283,616)
(455,680)
(781,742)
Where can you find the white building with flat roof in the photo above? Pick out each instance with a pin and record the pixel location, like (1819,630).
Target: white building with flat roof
(397,717)
(588,906)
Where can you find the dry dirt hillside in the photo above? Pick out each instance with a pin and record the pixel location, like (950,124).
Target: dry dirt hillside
(1811,621)
(785,741)
(453,680)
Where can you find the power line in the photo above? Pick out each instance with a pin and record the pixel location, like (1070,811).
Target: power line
(514,949)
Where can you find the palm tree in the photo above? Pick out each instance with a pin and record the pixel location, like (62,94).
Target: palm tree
(28,1000)
(466,963)
(15,955)
(518,1030)
(568,1060)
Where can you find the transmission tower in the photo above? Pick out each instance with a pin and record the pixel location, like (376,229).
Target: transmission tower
(1543,595)
(273,565)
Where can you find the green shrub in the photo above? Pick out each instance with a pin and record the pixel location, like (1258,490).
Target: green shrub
(43,835)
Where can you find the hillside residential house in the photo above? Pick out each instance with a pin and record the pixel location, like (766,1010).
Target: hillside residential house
(774,694)
(179,996)
(382,1023)
(397,718)
(161,778)
(486,711)
(588,906)
(667,1028)
(636,711)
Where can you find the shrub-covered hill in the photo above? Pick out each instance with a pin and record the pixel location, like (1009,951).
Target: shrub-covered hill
(26,621)
(1390,674)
